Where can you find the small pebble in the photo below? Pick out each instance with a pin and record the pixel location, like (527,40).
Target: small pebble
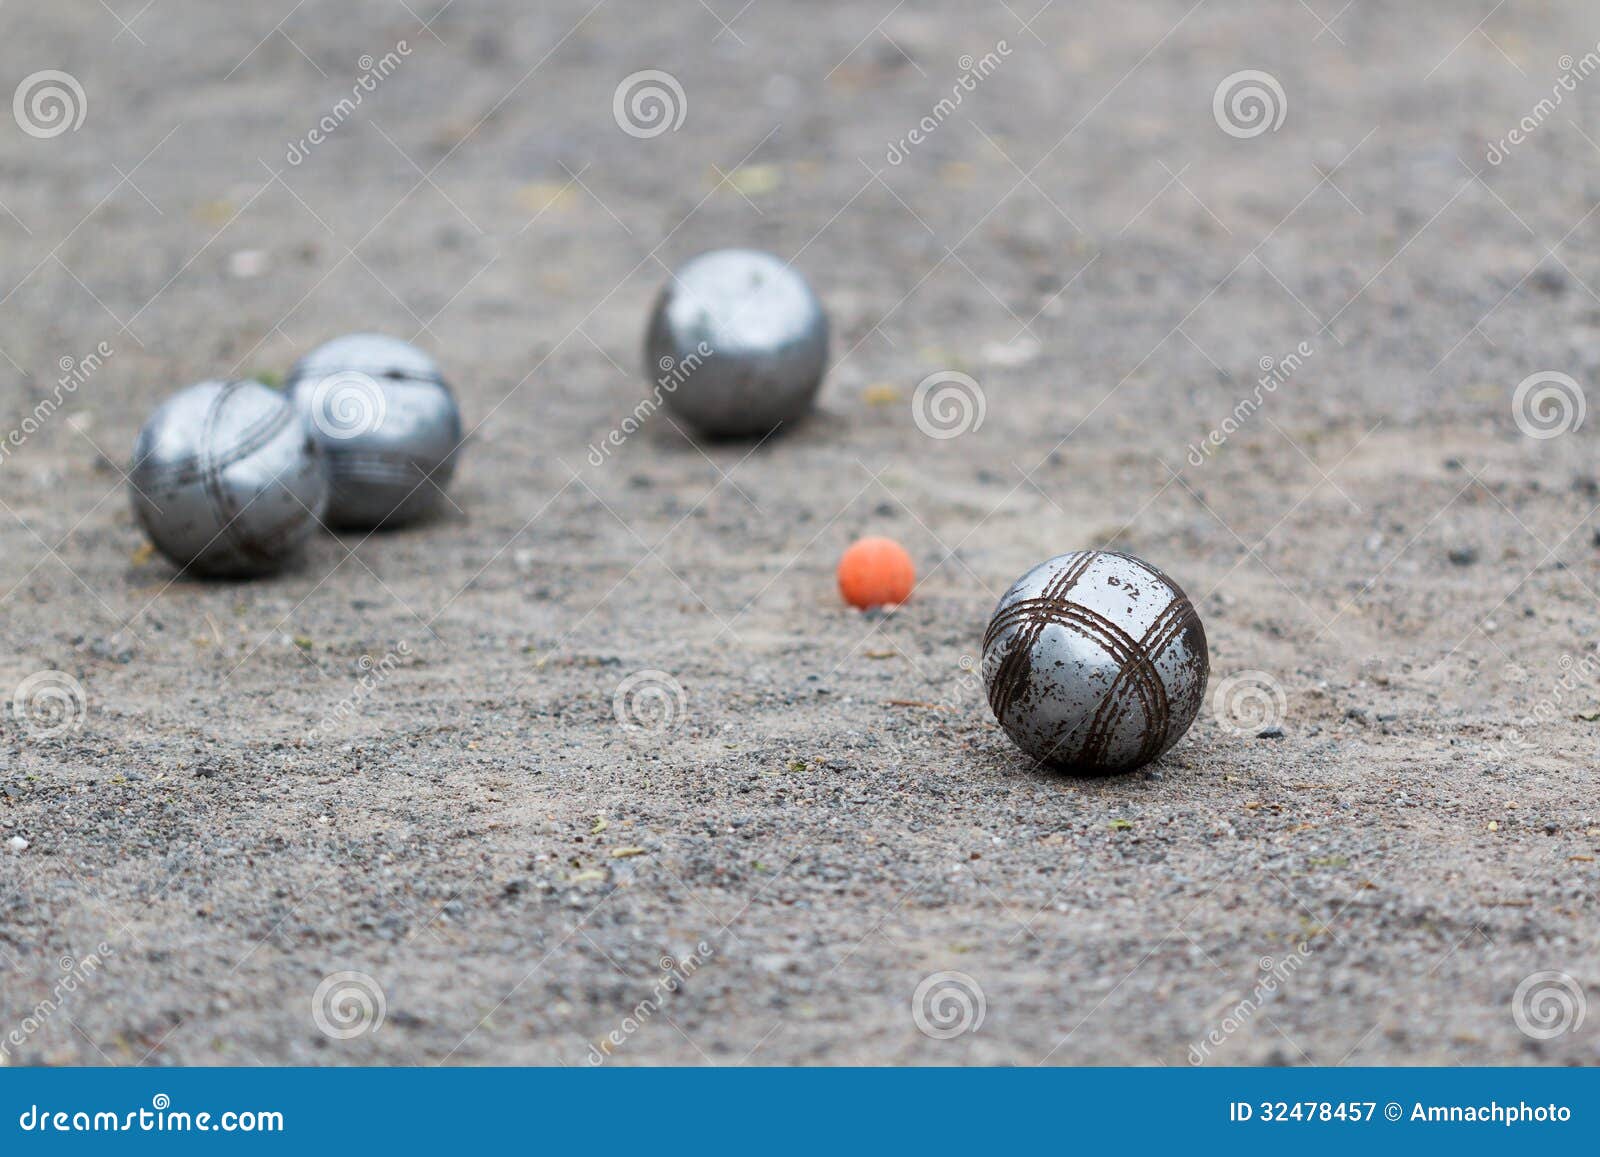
(1551,281)
(247,263)
(1464,555)
(17,844)
(1008,354)
(1273,732)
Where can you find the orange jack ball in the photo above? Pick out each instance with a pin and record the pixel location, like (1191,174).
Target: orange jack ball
(876,572)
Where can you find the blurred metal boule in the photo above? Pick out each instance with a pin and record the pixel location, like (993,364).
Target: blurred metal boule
(1095,662)
(737,343)
(225,480)
(387,423)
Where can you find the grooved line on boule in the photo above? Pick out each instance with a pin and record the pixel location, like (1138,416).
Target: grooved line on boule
(1121,646)
(1157,638)
(252,439)
(1010,678)
(258,547)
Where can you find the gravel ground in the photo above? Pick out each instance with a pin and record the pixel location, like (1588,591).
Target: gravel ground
(402,759)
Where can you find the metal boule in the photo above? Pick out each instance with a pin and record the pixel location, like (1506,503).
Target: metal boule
(387,422)
(1095,662)
(737,344)
(225,481)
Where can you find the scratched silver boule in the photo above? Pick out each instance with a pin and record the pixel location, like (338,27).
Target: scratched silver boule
(748,338)
(225,481)
(1095,662)
(388,423)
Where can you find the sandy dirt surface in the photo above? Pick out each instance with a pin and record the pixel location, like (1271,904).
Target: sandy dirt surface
(403,758)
